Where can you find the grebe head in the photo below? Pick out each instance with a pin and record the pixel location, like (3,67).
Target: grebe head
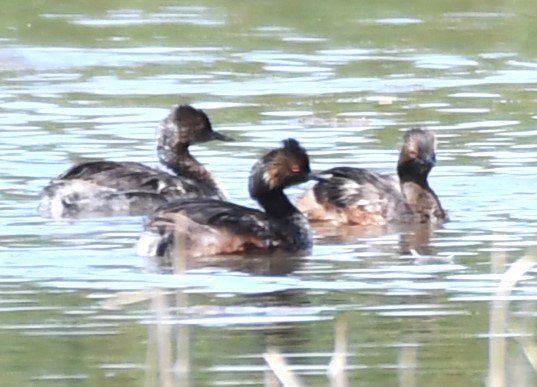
(187,125)
(418,152)
(280,168)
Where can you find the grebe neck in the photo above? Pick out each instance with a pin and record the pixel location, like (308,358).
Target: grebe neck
(276,204)
(418,194)
(182,163)
(409,173)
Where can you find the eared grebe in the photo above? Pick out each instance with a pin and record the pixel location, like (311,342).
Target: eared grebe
(205,227)
(360,196)
(113,188)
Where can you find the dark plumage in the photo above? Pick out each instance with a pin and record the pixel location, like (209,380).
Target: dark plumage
(416,160)
(360,196)
(113,188)
(208,227)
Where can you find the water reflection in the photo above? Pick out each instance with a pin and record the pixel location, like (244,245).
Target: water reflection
(169,361)
(287,355)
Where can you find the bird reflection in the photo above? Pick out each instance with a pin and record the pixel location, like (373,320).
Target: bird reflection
(276,264)
(414,238)
(417,239)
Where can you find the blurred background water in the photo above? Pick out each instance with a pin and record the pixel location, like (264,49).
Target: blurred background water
(415,307)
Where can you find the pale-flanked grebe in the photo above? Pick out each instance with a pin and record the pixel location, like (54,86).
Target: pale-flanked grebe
(360,196)
(204,227)
(128,188)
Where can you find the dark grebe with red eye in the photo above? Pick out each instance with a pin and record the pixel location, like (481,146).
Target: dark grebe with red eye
(207,227)
(360,196)
(127,188)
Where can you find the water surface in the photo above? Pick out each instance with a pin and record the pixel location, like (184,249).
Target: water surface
(415,307)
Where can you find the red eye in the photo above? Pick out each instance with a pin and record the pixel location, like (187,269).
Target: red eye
(295,168)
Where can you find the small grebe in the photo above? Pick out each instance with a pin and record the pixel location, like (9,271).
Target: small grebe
(127,188)
(208,227)
(360,196)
